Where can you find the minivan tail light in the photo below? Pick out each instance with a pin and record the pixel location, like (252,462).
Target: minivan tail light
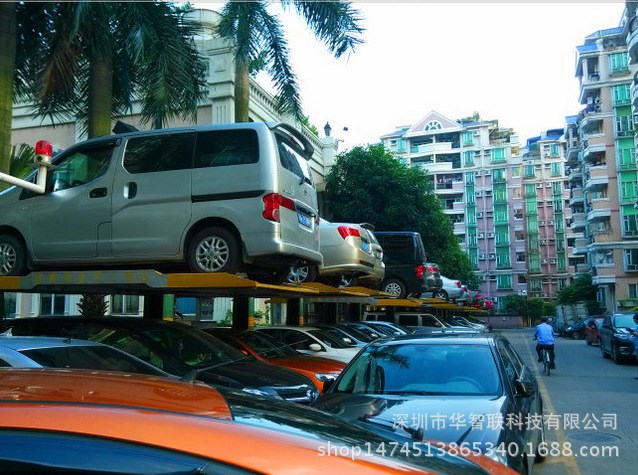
(346,231)
(272,203)
(419,271)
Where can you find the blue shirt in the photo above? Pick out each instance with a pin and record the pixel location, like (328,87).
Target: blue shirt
(544,334)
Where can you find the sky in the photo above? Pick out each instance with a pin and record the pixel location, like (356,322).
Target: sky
(514,62)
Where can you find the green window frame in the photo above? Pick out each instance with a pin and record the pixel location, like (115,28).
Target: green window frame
(500,193)
(503,282)
(530,191)
(474,260)
(554,150)
(621,94)
(618,62)
(626,157)
(529,171)
(468,139)
(503,259)
(556,169)
(469,178)
(557,187)
(502,236)
(500,214)
(468,158)
(470,216)
(498,155)
(536,284)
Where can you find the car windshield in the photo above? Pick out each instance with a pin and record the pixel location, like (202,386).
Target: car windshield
(365,329)
(316,425)
(267,346)
(624,320)
(339,334)
(359,335)
(328,339)
(422,369)
(89,357)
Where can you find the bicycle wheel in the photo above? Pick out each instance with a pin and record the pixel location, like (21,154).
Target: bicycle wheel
(546,365)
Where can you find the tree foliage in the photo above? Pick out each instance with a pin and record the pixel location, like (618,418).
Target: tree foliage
(581,290)
(260,44)
(530,309)
(92,305)
(367,184)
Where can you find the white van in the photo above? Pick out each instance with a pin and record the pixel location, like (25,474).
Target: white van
(218,198)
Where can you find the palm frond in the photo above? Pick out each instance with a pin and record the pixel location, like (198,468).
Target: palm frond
(336,24)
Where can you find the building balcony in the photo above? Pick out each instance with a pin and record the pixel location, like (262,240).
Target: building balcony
(579,221)
(594,152)
(573,147)
(454,211)
(449,186)
(599,210)
(592,120)
(576,196)
(632,42)
(580,247)
(459,228)
(432,148)
(437,167)
(597,180)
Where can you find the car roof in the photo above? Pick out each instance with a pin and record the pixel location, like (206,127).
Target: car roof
(90,387)
(440,339)
(20,343)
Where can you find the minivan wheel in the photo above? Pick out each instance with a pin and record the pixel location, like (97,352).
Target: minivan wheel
(13,257)
(214,250)
(299,274)
(441,294)
(394,286)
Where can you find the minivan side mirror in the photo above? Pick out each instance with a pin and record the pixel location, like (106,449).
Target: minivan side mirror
(314,347)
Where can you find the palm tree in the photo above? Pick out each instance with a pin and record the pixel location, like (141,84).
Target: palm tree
(257,35)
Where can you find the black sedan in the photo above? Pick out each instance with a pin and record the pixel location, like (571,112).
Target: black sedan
(178,349)
(576,331)
(615,339)
(471,390)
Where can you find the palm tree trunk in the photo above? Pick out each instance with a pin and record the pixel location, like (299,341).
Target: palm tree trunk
(7,67)
(242,90)
(100,95)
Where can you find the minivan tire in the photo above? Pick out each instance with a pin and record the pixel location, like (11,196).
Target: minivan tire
(299,274)
(394,286)
(13,256)
(214,249)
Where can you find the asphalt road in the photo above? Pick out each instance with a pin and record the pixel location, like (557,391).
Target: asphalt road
(591,404)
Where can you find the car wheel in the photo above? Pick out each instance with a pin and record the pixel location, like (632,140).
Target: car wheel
(575,336)
(299,274)
(395,287)
(214,250)
(13,256)
(602,350)
(615,355)
(440,294)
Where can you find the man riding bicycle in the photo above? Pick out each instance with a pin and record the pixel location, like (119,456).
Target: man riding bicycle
(544,334)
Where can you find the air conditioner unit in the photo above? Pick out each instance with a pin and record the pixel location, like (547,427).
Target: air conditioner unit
(543,295)
(480,235)
(490,235)
(477,173)
(551,221)
(552,261)
(544,261)
(488,192)
(492,257)
(543,242)
(487,172)
(539,185)
(548,185)
(541,222)
(479,214)
(476,132)
(492,277)
(482,257)
(478,193)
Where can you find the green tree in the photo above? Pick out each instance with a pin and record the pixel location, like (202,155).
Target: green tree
(530,309)
(581,290)
(259,41)
(367,184)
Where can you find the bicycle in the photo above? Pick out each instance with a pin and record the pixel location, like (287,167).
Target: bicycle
(546,361)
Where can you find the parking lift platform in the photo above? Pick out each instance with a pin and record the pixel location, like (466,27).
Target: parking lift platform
(148,281)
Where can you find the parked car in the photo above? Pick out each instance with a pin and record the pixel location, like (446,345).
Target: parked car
(350,251)
(265,348)
(389,327)
(178,349)
(76,421)
(576,331)
(312,341)
(475,300)
(451,290)
(592,330)
(217,198)
(52,352)
(615,339)
(421,322)
(408,378)
(372,332)
(458,320)
(407,272)
(342,331)
(472,319)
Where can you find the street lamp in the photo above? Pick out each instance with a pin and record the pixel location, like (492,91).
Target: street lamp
(327,129)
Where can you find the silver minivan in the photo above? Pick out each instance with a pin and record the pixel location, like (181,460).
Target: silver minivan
(218,198)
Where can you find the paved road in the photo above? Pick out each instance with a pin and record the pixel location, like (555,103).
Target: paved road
(594,404)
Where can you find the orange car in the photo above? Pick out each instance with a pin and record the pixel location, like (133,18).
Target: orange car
(84,421)
(267,349)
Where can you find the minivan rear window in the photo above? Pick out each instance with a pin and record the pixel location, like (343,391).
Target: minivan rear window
(292,160)
(158,153)
(226,147)
(397,249)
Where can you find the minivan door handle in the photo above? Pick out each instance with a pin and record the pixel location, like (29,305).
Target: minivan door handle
(130,190)
(98,193)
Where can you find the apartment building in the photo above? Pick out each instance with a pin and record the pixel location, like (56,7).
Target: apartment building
(546,211)
(476,169)
(602,162)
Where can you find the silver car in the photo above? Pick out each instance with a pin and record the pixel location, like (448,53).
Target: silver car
(351,254)
(451,290)
(218,198)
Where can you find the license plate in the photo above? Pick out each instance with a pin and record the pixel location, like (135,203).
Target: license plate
(304,220)
(365,245)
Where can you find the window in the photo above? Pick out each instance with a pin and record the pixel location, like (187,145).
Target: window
(626,156)
(624,125)
(292,159)
(81,167)
(468,140)
(621,94)
(469,178)
(632,291)
(52,304)
(556,169)
(618,62)
(227,147)
(468,159)
(516,171)
(503,282)
(125,304)
(520,257)
(158,153)
(503,259)
(529,171)
(498,155)
(535,284)
(630,225)
(554,150)
(557,187)
(631,259)
(433,125)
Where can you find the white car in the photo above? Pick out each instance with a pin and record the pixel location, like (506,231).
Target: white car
(313,341)
(452,290)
